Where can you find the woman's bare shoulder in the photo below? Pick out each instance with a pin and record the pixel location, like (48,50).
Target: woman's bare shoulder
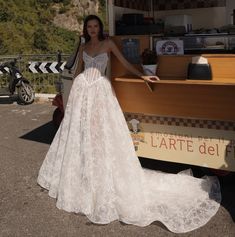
(109,41)
(110,44)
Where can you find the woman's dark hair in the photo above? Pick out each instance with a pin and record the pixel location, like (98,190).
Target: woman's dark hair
(85,33)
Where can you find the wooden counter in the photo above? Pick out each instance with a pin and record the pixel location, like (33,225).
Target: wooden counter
(225,82)
(174,95)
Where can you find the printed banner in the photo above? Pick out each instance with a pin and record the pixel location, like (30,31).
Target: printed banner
(197,146)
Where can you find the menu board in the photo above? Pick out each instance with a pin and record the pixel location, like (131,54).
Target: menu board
(131,50)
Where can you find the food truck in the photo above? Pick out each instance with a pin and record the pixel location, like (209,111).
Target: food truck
(188,116)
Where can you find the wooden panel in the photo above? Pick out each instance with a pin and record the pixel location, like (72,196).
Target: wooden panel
(222,67)
(171,67)
(196,101)
(215,82)
(174,95)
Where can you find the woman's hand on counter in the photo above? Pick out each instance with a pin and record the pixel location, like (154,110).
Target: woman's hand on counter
(150,78)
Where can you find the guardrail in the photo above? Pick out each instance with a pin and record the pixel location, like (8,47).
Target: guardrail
(41,70)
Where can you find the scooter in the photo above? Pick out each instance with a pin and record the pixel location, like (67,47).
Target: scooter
(17,81)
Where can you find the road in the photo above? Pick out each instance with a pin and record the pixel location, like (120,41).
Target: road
(27,210)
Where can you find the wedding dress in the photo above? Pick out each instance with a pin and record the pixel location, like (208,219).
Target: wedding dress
(92,168)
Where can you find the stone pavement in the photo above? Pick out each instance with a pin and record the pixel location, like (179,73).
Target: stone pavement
(27,210)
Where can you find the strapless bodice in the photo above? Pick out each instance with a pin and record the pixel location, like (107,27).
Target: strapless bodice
(94,67)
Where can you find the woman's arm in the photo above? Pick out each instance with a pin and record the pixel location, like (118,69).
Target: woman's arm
(114,49)
(124,62)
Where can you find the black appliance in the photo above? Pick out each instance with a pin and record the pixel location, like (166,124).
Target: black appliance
(133,19)
(135,24)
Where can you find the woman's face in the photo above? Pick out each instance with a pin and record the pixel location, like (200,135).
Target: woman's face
(93,28)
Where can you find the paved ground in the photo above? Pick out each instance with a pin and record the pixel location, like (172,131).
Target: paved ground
(27,210)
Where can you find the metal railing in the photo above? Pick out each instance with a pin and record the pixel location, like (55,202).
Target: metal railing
(41,82)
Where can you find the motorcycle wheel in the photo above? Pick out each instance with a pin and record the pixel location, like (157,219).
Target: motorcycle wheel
(26,93)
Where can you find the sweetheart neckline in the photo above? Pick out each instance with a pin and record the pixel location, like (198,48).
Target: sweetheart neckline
(94,56)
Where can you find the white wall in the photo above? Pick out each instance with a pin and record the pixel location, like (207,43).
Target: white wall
(201,17)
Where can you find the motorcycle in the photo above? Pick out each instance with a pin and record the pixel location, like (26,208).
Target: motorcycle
(17,82)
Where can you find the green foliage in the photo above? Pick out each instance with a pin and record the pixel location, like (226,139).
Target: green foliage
(44,1)
(2,46)
(27,27)
(102,14)
(61,1)
(40,39)
(65,2)
(102,3)
(5,15)
(63,10)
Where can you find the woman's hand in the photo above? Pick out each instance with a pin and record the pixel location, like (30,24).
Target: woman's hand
(150,78)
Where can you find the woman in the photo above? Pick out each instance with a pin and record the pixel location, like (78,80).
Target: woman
(92,168)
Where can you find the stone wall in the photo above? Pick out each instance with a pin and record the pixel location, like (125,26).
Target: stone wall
(72,18)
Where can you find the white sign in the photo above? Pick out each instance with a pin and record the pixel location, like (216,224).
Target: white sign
(170,47)
(197,146)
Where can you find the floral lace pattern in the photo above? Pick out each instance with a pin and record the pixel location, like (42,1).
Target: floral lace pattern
(92,168)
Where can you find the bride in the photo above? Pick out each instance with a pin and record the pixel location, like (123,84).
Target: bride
(92,168)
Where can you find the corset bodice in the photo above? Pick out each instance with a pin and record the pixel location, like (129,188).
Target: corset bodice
(94,67)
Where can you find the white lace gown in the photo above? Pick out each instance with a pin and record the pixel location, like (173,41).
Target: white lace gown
(92,168)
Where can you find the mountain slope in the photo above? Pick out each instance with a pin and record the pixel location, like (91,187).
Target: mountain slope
(43,26)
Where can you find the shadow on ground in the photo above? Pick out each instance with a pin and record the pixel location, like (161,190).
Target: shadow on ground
(8,99)
(43,134)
